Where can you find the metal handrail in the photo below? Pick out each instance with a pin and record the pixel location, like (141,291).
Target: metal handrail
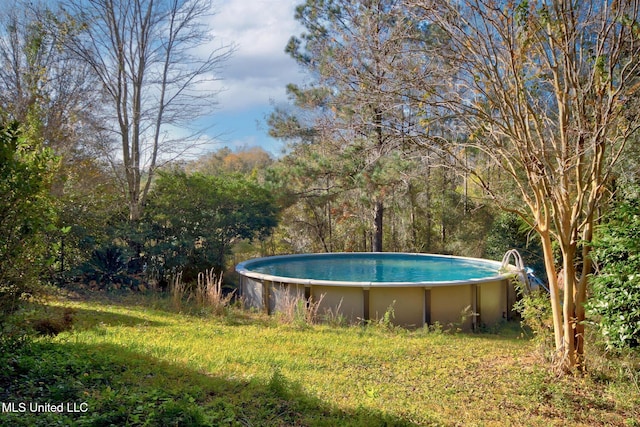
(518,264)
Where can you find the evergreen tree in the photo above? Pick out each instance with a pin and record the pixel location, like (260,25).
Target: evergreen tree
(361,54)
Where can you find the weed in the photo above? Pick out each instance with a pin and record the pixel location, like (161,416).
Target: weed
(436,328)
(383,323)
(278,384)
(209,293)
(297,310)
(178,291)
(334,317)
(535,310)
(386,322)
(465,314)
(456,327)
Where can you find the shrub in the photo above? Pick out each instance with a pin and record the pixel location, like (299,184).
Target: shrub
(535,310)
(27,213)
(614,306)
(108,266)
(194,220)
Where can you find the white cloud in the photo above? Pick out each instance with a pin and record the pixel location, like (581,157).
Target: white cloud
(259,70)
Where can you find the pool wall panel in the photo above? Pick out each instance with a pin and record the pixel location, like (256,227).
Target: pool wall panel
(251,290)
(448,303)
(349,299)
(415,303)
(493,303)
(408,307)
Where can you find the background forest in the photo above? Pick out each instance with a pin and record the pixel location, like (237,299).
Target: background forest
(95,192)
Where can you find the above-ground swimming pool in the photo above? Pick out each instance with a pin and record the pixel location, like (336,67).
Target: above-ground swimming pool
(422,289)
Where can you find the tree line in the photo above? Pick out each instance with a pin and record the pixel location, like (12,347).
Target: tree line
(466,127)
(92,96)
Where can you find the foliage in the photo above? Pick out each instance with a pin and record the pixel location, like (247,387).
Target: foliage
(51,93)
(542,90)
(614,304)
(41,83)
(226,161)
(26,214)
(535,310)
(428,208)
(108,266)
(193,220)
(90,208)
(358,54)
(91,380)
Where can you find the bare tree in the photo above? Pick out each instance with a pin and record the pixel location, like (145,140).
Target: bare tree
(40,84)
(542,90)
(155,79)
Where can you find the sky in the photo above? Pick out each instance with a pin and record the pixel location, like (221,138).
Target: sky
(255,77)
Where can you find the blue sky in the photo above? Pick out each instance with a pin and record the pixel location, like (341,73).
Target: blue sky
(256,75)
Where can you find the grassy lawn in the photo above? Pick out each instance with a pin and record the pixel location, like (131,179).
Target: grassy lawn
(134,361)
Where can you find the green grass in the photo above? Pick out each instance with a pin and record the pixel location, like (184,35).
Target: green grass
(135,362)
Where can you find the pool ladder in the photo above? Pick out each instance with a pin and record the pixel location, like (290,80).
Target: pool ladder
(521,272)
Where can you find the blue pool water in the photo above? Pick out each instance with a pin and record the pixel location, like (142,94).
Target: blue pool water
(375,267)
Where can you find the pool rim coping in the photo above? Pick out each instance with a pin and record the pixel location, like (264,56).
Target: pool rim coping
(241,268)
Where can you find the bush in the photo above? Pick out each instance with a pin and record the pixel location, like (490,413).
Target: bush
(26,215)
(108,266)
(614,306)
(535,310)
(194,220)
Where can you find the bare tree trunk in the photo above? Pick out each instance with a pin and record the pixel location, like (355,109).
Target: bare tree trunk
(581,295)
(568,360)
(556,307)
(377,231)
(427,195)
(329,219)
(414,226)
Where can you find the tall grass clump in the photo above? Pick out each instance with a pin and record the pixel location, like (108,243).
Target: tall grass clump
(210,295)
(178,291)
(334,316)
(206,294)
(298,310)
